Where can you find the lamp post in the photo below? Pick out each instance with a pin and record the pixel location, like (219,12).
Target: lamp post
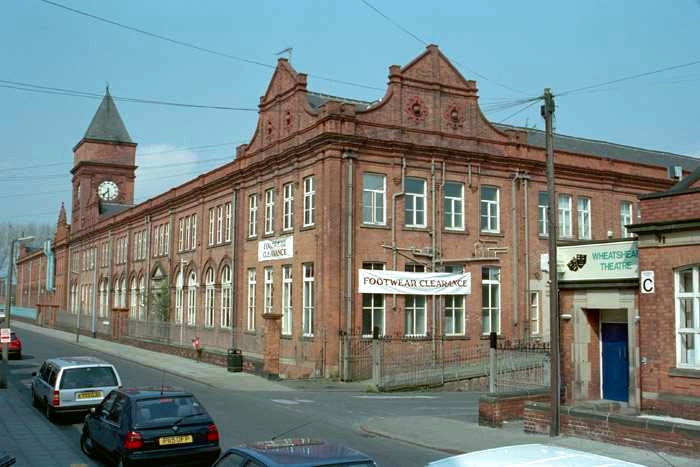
(8,305)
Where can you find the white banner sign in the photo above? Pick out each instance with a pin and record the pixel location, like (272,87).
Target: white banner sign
(414,283)
(5,336)
(600,261)
(276,248)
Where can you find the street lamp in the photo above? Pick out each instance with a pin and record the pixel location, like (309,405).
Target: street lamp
(8,305)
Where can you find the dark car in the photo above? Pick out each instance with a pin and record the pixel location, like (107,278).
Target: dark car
(300,452)
(14,348)
(151,426)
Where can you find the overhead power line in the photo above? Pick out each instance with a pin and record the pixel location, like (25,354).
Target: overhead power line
(28,87)
(197,47)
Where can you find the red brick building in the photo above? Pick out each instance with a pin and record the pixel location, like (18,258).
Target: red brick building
(263,253)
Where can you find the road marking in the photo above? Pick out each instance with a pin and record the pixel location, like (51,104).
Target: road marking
(396,397)
(285,401)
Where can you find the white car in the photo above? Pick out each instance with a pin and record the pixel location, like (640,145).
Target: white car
(540,455)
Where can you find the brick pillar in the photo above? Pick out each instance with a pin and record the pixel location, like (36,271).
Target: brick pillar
(271,341)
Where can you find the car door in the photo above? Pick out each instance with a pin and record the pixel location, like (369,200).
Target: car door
(39,382)
(97,419)
(114,426)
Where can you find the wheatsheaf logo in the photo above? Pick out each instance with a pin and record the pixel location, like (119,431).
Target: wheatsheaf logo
(577,262)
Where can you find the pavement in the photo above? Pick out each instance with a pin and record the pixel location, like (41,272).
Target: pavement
(25,433)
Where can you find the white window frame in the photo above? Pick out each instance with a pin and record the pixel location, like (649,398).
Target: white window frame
(226,288)
(212,232)
(288,207)
(209,298)
(253,215)
(219,224)
(268,277)
(250,324)
(687,337)
(142,297)
(373,307)
(453,206)
(133,299)
(626,213)
(373,199)
(535,313)
(564,211)
(269,211)
(583,207)
(490,209)
(308,299)
(192,299)
(415,203)
(227,223)
(542,209)
(309,201)
(415,308)
(490,311)
(287,305)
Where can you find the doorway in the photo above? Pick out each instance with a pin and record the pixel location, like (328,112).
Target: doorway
(615,361)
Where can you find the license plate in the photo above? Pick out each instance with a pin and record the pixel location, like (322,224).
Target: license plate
(168,440)
(89,395)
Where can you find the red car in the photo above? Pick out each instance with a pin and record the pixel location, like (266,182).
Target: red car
(14,349)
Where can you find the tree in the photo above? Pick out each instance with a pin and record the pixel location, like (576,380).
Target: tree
(160,300)
(9,232)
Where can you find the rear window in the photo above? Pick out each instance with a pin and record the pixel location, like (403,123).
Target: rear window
(167,407)
(88,377)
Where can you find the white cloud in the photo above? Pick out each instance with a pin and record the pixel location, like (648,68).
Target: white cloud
(162,167)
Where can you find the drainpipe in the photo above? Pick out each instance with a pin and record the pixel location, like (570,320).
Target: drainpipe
(232,298)
(349,156)
(514,221)
(394,197)
(433,245)
(526,253)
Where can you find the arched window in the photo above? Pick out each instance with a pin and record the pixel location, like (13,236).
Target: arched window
(74,299)
(209,298)
(225,321)
(192,299)
(122,300)
(133,300)
(103,298)
(142,298)
(117,293)
(179,282)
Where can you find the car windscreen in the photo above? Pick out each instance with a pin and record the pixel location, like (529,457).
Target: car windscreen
(167,407)
(88,377)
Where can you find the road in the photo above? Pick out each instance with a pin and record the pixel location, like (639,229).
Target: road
(308,410)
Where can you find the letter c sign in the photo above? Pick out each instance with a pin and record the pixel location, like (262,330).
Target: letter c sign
(646,281)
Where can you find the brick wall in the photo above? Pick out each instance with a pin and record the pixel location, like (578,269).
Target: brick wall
(675,208)
(496,408)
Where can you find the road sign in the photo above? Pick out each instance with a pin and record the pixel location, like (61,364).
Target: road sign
(646,281)
(5,336)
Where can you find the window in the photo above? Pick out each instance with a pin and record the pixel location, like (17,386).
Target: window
(584,218)
(270,211)
(565,216)
(454,309)
(415,324)
(489,209)
(288,207)
(535,312)
(192,299)
(194,231)
(625,218)
(212,232)
(687,287)
(188,233)
(286,300)
(490,300)
(308,299)
(181,237)
(251,300)
(219,224)
(414,213)
(103,298)
(268,278)
(133,300)
(542,208)
(372,308)
(209,293)
(454,206)
(309,201)
(252,215)
(225,321)
(142,297)
(227,223)
(373,199)
(122,300)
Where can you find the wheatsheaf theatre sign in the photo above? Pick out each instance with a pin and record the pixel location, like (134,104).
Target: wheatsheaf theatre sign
(599,261)
(276,248)
(414,283)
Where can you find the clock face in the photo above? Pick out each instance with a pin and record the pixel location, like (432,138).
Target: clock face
(108,190)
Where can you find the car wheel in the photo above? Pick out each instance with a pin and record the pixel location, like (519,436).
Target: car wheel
(87,445)
(48,411)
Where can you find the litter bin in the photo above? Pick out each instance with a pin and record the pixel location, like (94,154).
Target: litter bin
(235,360)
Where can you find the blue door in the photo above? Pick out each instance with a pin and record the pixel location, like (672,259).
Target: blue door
(615,361)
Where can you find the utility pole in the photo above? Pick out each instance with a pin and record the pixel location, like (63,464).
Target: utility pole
(547,111)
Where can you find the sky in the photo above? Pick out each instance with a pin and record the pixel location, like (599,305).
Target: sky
(221,53)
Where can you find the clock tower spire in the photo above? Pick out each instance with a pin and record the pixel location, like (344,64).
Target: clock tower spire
(104,167)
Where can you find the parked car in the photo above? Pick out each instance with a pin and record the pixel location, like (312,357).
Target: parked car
(540,455)
(14,348)
(293,452)
(151,426)
(72,384)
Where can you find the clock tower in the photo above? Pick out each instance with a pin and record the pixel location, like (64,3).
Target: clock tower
(104,168)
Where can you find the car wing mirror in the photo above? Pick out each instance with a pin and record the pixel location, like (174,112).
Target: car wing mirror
(33,373)
(92,410)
